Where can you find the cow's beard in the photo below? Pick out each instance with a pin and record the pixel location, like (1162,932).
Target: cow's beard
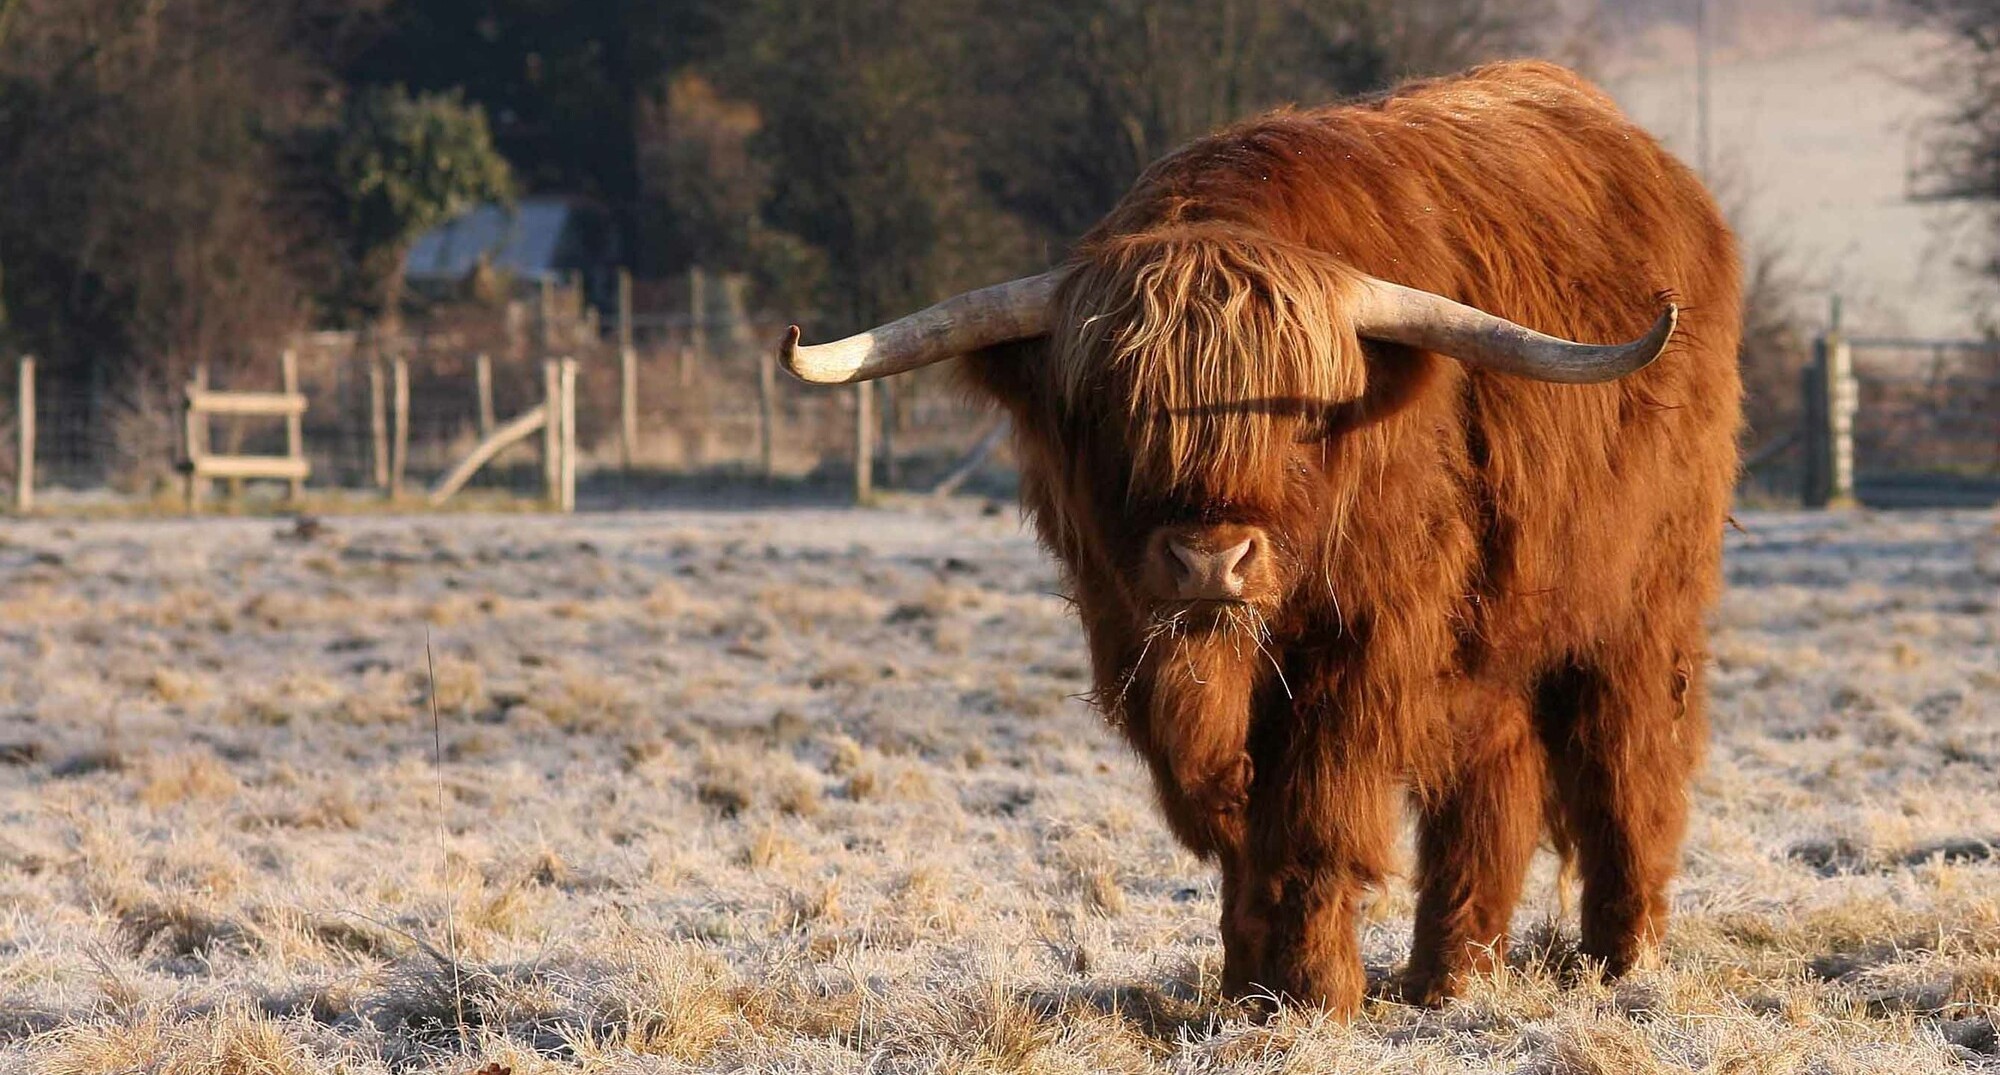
(1226,642)
(1196,678)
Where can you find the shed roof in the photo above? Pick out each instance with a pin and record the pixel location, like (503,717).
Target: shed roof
(524,239)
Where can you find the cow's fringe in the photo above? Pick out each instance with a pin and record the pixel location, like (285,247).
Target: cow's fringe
(1219,341)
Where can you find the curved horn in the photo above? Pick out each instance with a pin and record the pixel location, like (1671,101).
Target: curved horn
(1420,319)
(1014,310)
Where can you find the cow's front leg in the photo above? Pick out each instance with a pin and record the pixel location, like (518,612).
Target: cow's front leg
(1207,810)
(1206,806)
(1244,926)
(1194,731)
(1319,834)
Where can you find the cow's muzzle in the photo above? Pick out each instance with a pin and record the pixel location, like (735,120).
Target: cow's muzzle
(1208,563)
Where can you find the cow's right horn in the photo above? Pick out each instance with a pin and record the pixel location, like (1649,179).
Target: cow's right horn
(1015,310)
(1405,315)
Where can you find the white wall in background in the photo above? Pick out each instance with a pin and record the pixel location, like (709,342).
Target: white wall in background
(1818,126)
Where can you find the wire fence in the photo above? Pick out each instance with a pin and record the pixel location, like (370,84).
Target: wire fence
(1886,421)
(1926,420)
(704,403)
(1927,407)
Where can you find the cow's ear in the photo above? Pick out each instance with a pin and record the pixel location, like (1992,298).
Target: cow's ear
(1014,374)
(1397,376)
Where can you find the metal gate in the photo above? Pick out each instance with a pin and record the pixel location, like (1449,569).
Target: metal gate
(1890,422)
(1926,421)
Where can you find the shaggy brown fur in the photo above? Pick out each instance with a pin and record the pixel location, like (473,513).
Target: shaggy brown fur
(1483,591)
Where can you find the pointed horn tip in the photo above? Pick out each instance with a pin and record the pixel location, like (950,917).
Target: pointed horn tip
(1645,350)
(1664,329)
(788,356)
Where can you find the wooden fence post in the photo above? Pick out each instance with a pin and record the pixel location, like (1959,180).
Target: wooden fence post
(1846,394)
(24,422)
(767,414)
(295,423)
(1815,482)
(864,442)
(201,384)
(628,407)
(628,376)
(545,314)
(552,434)
(697,349)
(378,423)
(891,396)
(192,422)
(482,372)
(1830,397)
(203,433)
(399,447)
(567,502)
(195,432)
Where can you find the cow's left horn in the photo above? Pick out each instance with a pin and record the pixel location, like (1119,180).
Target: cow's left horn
(1398,314)
(1015,310)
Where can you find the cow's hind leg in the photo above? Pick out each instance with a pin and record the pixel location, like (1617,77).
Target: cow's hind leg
(1474,842)
(1625,734)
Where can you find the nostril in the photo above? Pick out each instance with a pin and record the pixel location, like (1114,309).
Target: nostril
(1197,571)
(1237,559)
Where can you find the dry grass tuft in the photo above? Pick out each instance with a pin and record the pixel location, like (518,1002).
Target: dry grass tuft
(725,786)
(1100,887)
(802,608)
(458,685)
(673,1001)
(797,792)
(818,904)
(1977,983)
(770,848)
(512,910)
(175,687)
(187,778)
(231,1041)
(585,703)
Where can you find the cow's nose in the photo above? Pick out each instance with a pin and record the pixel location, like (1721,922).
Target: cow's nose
(1209,574)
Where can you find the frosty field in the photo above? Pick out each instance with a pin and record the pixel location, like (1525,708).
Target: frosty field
(808,791)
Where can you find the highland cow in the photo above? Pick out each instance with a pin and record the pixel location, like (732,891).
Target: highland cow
(1347,531)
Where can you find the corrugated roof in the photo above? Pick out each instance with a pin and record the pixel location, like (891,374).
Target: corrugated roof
(524,240)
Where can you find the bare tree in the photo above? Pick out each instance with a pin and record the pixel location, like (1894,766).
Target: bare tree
(140,182)
(1776,328)
(1079,97)
(1965,153)
(147,227)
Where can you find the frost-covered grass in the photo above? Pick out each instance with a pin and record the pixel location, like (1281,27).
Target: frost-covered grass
(808,791)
